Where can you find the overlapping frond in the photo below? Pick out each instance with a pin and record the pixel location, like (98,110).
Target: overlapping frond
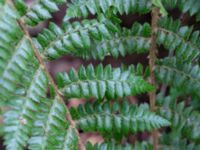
(192,128)
(25,81)
(179,74)
(19,120)
(35,117)
(182,144)
(127,41)
(39,10)
(116,119)
(191,6)
(114,146)
(186,6)
(185,120)
(16,55)
(182,40)
(74,38)
(184,125)
(15,52)
(178,116)
(51,129)
(82,8)
(101,82)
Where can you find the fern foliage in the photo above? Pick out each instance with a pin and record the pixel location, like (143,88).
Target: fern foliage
(110,146)
(184,130)
(178,74)
(101,83)
(187,45)
(82,8)
(38,11)
(47,126)
(116,119)
(135,40)
(10,66)
(19,120)
(191,7)
(74,38)
(24,98)
(35,115)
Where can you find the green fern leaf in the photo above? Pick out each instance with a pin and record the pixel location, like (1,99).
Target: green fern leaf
(25,98)
(186,6)
(46,132)
(54,42)
(135,40)
(79,8)
(184,125)
(101,82)
(20,6)
(117,119)
(40,10)
(178,74)
(114,146)
(15,52)
(193,7)
(187,45)
(192,127)
(19,120)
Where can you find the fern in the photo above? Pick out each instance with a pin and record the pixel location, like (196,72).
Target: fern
(178,74)
(55,42)
(25,100)
(186,6)
(33,106)
(101,83)
(110,146)
(39,11)
(187,42)
(125,42)
(10,69)
(80,8)
(49,122)
(19,120)
(120,119)
(182,125)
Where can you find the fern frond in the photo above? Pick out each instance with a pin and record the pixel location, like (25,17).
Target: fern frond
(137,70)
(19,120)
(51,129)
(177,114)
(186,6)
(185,120)
(20,6)
(187,42)
(101,82)
(39,11)
(180,145)
(178,74)
(114,146)
(193,7)
(15,52)
(14,64)
(117,119)
(82,8)
(184,126)
(191,131)
(135,40)
(19,64)
(54,42)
